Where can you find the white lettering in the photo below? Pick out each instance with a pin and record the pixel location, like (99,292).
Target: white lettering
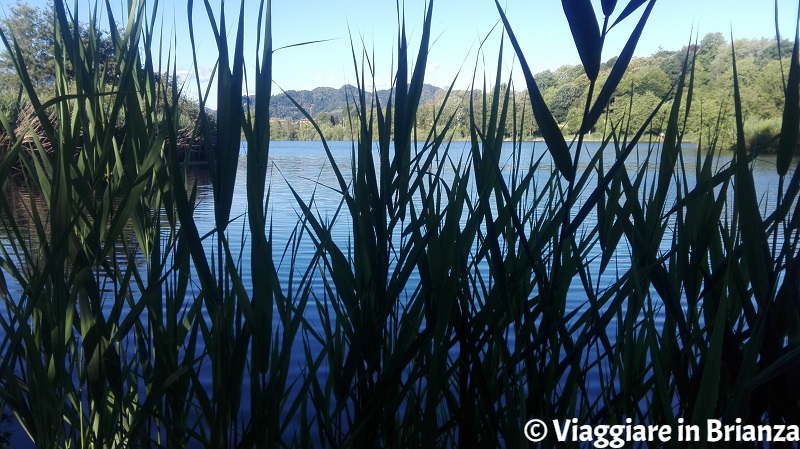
(713,430)
(639,433)
(617,435)
(561,432)
(664,433)
(586,433)
(779,438)
(748,434)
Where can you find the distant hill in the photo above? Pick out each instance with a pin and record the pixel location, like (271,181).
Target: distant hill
(647,81)
(326,99)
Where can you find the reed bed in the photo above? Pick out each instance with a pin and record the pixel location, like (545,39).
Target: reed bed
(443,320)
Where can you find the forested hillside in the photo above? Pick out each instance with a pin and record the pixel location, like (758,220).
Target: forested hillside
(326,100)
(648,79)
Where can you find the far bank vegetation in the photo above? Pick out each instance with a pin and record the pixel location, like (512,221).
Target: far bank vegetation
(760,64)
(763,64)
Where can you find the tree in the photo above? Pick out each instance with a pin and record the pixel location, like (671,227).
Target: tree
(33,30)
(711,45)
(608,65)
(651,79)
(771,52)
(563,100)
(545,80)
(672,65)
(325,119)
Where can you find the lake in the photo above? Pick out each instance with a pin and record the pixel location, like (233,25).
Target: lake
(305,167)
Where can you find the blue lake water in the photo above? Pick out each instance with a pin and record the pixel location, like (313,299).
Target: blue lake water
(305,167)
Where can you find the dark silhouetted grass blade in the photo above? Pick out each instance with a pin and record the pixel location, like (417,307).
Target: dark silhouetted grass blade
(550,130)
(632,6)
(586,33)
(608,7)
(617,72)
(790,128)
(752,225)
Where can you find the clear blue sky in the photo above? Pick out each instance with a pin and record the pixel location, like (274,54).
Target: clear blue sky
(458,26)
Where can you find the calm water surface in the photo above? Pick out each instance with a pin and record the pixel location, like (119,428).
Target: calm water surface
(304,167)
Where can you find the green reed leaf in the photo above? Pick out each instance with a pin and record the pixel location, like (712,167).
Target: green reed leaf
(229,118)
(550,130)
(786,363)
(257,164)
(610,175)
(754,238)
(608,7)
(586,33)
(707,395)
(632,6)
(790,127)
(617,72)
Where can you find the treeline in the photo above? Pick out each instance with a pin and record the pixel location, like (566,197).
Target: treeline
(762,65)
(327,100)
(32,28)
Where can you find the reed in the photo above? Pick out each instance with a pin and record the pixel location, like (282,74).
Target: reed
(446,317)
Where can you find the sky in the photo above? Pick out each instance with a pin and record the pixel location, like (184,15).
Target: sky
(458,28)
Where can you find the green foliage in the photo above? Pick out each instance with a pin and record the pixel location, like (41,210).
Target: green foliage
(761,136)
(563,99)
(32,28)
(651,79)
(711,46)
(10,96)
(329,100)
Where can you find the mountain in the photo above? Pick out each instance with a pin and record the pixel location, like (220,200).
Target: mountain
(326,99)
